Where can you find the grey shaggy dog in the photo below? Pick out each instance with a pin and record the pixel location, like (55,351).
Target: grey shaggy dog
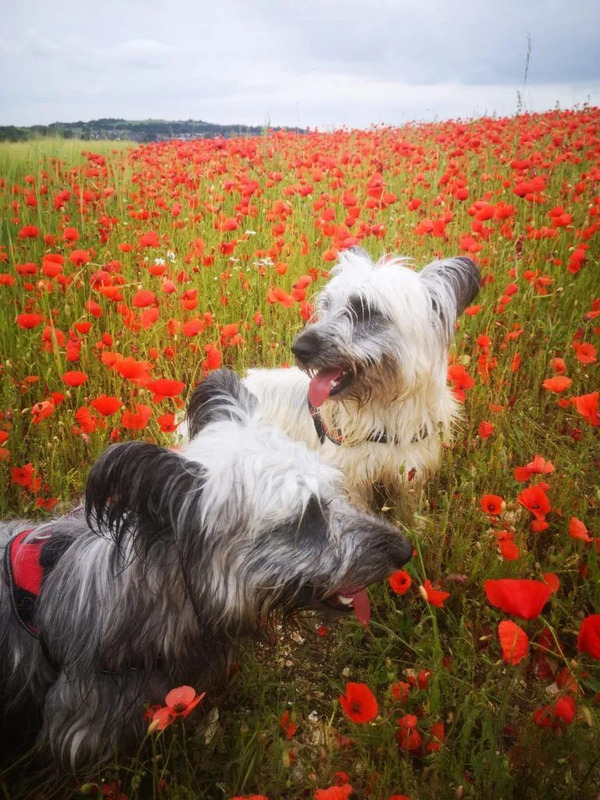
(174,557)
(370,390)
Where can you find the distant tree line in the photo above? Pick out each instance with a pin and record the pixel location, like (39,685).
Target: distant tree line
(150,130)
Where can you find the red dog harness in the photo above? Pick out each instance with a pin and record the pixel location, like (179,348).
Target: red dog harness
(27,564)
(25,575)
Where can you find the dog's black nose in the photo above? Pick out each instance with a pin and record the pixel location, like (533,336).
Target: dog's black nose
(304,346)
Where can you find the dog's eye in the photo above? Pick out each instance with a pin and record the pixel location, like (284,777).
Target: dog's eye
(360,310)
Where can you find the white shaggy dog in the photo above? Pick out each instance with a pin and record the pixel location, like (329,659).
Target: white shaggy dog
(370,392)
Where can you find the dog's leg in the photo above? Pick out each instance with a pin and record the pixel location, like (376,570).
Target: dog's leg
(87,717)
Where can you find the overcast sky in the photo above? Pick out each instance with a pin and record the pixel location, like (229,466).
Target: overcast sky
(317,63)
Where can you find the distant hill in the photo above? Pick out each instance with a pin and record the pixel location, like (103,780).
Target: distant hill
(148,130)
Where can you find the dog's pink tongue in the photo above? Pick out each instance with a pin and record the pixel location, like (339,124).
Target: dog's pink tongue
(321,385)
(362,607)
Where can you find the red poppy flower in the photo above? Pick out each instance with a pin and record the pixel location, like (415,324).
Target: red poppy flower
(288,727)
(70,234)
(485,429)
(587,406)
(149,239)
(180,702)
(250,797)
(513,641)
(400,582)
(144,298)
(42,410)
(585,352)
(577,530)
(400,690)
(552,716)
(29,321)
(535,499)
(51,268)
(420,679)
(86,420)
(168,423)
(588,640)
(192,327)
(461,381)
(214,358)
(506,545)
(183,700)
(565,708)
(435,597)
(359,703)
(409,721)
(79,257)
(521,598)
(94,308)
(539,466)
(148,317)
(106,404)
(334,793)
(409,739)
(277,295)
(27,269)
(26,477)
(557,384)
(558,365)
(166,387)
(74,378)
(138,419)
(29,232)
(553,581)
(509,550)
(134,371)
(492,504)
(437,731)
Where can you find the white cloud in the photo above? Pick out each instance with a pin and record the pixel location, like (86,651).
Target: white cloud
(40,46)
(144,53)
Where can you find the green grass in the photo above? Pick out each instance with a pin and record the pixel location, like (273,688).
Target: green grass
(492,748)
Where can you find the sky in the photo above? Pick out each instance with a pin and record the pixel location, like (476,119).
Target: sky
(314,63)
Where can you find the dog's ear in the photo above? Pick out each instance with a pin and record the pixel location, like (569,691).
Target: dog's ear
(355,250)
(220,396)
(458,278)
(141,489)
(352,257)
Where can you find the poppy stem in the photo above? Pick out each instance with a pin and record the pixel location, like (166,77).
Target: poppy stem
(434,698)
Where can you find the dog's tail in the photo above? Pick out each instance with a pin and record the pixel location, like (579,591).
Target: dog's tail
(220,396)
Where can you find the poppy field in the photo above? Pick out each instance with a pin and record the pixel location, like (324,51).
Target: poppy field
(128,273)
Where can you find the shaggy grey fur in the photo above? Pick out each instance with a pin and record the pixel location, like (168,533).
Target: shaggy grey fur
(175,556)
